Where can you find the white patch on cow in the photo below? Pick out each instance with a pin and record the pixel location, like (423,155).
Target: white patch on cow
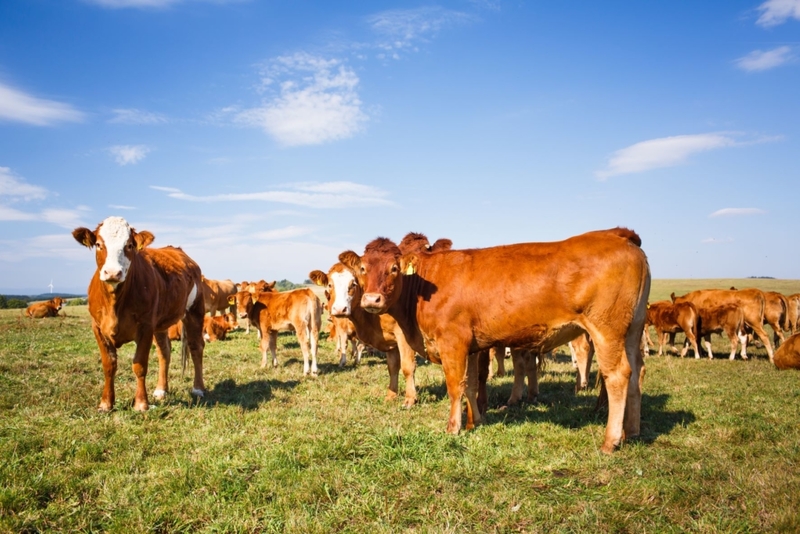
(115,232)
(192,296)
(159,394)
(343,301)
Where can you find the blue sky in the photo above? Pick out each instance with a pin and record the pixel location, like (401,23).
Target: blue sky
(266,137)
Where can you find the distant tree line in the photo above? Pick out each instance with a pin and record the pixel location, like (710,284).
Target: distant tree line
(286,285)
(10,302)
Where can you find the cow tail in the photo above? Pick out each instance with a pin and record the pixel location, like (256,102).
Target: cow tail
(184,348)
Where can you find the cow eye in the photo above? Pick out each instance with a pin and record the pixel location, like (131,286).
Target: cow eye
(363,270)
(394,269)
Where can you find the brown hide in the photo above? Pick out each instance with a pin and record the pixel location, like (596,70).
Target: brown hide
(49,308)
(727,318)
(299,310)
(793,313)
(788,354)
(776,308)
(216,294)
(152,297)
(216,328)
(668,318)
(454,303)
(751,301)
(343,333)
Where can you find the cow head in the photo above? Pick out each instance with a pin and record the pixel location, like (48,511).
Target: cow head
(379,273)
(243,301)
(341,289)
(57,302)
(116,244)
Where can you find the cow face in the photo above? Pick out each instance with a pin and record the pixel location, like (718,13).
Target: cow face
(116,244)
(58,302)
(341,289)
(378,273)
(244,303)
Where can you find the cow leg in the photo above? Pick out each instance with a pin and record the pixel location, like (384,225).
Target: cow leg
(743,340)
(265,344)
(273,347)
(358,348)
(584,361)
(108,357)
(341,346)
(762,335)
(163,350)
(484,363)
(661,337)
(473,388)
(707,343)
(454,365)
(193,344)
(305,347)
(393,364)
(532,372)
(144,341)
(518,361)
(408,364)
(616,372)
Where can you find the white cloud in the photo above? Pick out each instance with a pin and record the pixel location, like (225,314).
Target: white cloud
(280,234)
(733,212)
(759,60)
(128,154)
(663,152)
(60,246)
(715,241)
(316,102)
(120,207)
(11,186)
(17,106)
(332,195)
(135,116)
(775,12)
(404,28)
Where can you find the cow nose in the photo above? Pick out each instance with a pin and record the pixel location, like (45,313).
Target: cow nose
(344,310)
(371,300)
(112,276)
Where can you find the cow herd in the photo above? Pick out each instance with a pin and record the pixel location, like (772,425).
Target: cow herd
(451,306)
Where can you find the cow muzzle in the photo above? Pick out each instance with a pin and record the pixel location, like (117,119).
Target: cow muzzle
(373,302)
(342,311)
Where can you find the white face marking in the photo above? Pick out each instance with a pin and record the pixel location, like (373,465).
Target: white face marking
(343,301)
(115,233)
(192,296)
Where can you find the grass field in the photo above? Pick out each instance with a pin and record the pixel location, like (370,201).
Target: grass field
(271,451)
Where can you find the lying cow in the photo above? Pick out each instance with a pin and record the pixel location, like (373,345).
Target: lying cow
(299,311)
(668,318)
(50,308)
(453,304)
(788,354)
(136,294)
(216,328)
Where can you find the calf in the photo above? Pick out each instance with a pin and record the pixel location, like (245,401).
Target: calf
(788,354)
(343,333)
(728,318)
(216,294)
(49,308)
(453,304)
(136,294)
(299,310)
(668,318)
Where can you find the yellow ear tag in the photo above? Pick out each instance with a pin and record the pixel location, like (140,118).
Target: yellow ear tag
(410,269)
(319,283)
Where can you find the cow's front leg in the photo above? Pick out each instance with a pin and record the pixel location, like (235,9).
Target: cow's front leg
(454,366)
(108,357)
(164,356)
(273,347)
(144,341)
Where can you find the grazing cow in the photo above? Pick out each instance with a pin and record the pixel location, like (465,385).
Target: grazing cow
(668,318)
(136,294)
(453,304)
(49,308)
(216,328)
(788,354)
(793,313)
(728,318)
(343,333)
(299,310)
(216,294)
(751,301)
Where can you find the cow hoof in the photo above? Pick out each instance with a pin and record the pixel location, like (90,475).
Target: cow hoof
(159,394)
(104,408)
(140,407)
(390,396)
(198,393)
(409,403)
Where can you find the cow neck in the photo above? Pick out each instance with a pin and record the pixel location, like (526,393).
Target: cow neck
(368,326)
(404,310)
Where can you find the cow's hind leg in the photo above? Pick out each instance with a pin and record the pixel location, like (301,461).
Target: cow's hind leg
(108,357)
(144,341)
(305,347)
(163,350)
(193,343)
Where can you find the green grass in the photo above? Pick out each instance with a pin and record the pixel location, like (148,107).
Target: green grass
(271,451)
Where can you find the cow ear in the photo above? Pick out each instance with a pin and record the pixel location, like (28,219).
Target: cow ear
(318,277)
(442,244)
(408,263)
(142,238)
(85,237)
(672,296)
(350,259)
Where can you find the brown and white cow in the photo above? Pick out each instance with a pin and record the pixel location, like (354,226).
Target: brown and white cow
(49,308)
(751,301)
(788,354)
(728,318)
(216,294)
(299,311)
(136,294)
(453,304)
(668,318)
(344,335)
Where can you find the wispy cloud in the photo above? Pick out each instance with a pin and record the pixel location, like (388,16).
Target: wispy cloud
(666,152)
(14,190)
(152,4)
(405,29)
(717,241)
(330,195)
(128,154)
(310,101)
(136,116)
(17,189)
(775,12)
(759,60)
(17,106)
(120,207)
(735,212)
(280,234)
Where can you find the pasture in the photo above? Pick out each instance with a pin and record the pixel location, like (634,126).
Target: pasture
(270,451)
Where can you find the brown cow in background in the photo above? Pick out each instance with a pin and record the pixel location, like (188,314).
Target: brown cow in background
(50,308)
(216,294)
(793,313)
(669,318)
(344,335)
(728,318)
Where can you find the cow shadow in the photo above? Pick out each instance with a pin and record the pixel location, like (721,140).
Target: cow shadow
(249,395)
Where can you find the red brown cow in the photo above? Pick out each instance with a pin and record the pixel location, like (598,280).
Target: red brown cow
(453,304)
(216,294)
(751,301)
(343,333)
(49,308)
(788,354)
(668,318)
(137,293)
(216,328)
(728,318)
(299,311)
